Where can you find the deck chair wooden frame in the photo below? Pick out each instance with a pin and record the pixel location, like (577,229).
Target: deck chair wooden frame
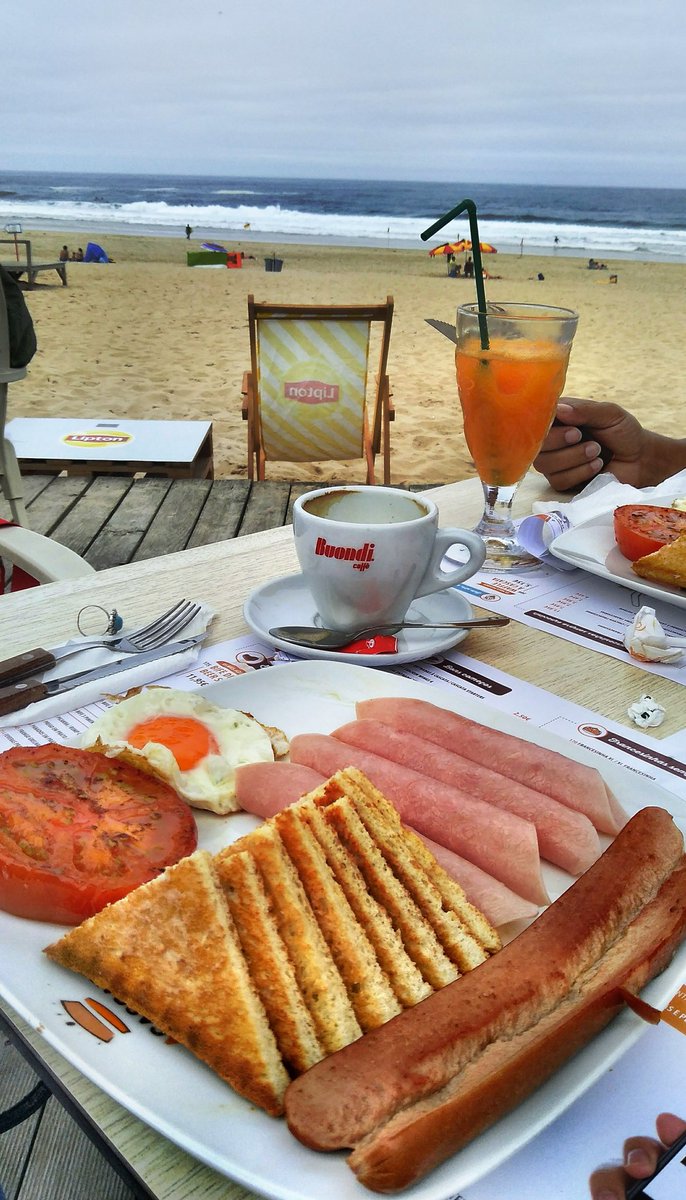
(10,476)
(377,415)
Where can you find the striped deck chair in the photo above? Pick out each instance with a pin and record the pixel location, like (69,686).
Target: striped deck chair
(307,397)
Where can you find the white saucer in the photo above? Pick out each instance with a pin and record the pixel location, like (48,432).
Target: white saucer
(287,601)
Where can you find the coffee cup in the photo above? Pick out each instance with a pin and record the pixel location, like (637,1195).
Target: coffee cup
(367,552)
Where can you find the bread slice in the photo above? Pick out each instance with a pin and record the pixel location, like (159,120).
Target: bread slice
(666,565)
(465,934)
(169,950)
(270,967)
(405,978)
(318,977)
(367,985)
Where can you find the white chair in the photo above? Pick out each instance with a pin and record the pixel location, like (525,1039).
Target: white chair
(46,560)
(10,476)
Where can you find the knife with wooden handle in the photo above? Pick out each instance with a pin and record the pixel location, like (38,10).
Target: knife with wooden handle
(27,663)
(28,691)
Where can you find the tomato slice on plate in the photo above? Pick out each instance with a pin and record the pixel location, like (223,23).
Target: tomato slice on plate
(78,831)
(642,528)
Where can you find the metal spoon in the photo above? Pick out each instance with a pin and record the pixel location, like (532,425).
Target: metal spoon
(334,639)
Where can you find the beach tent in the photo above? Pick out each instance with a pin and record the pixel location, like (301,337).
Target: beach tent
(95,253)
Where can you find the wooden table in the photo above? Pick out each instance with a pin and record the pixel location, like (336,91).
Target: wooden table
(30,267)
(222,574)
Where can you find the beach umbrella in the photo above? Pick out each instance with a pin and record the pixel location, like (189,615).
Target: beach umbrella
(485,247)
(450,248)
(214,246)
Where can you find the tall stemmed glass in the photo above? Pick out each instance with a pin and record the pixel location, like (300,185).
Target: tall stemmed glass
(511,362)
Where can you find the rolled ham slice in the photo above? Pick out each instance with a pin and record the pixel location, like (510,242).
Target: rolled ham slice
(263,789)
(502,844)
(571,783)
(566,838)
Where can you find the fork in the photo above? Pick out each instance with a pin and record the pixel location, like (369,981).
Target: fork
(156,633)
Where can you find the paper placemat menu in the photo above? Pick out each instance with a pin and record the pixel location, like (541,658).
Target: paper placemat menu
(578,607)
(662,761)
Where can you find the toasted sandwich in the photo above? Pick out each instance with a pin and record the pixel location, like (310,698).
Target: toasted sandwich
(666,565)
(323,923)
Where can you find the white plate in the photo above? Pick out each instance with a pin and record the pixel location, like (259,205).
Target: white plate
(287,601)
(182,1099)
(591,545)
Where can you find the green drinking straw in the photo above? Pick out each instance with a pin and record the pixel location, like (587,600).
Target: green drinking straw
(468,206)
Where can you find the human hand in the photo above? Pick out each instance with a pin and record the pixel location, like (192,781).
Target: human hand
(639,1161)
(589,436)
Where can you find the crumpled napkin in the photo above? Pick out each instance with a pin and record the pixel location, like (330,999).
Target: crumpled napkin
(605,493)
(113,684)
(646,640)
(646,712)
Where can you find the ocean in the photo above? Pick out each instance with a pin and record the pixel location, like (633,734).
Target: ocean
(639,223)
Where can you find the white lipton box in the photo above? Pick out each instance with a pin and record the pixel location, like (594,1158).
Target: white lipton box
(178,449)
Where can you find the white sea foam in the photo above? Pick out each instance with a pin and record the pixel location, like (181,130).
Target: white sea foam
(293,224)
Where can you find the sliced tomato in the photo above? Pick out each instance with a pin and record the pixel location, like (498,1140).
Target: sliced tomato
(642,528)
(78,830)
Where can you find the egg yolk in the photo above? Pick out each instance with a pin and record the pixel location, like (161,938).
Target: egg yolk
(188,739)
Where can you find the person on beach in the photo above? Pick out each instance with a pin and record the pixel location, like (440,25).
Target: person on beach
(189,231)
(64,254)
(590,436)
(639,1161)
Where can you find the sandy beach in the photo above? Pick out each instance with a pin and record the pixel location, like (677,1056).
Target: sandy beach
(148,337)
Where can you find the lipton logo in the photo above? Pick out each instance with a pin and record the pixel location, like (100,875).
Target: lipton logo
(311,391)
(359,556)
(96,441)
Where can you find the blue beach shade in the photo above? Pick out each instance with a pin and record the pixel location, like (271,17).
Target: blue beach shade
(95,253)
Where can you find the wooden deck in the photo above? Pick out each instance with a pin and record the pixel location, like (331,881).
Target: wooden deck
(111,520)
(114,519)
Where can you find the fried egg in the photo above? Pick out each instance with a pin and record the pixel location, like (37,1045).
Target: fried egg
(181,737)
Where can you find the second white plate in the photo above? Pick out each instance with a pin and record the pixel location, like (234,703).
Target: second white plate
(591,545)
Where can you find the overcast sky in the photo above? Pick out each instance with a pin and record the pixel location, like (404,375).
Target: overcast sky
(530,91)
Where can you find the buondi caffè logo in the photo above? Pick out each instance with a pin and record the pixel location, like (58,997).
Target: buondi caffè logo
(96,441)
(311,391)
(359,556)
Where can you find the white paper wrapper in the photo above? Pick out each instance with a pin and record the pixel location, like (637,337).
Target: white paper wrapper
(121,682)
(537,532)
